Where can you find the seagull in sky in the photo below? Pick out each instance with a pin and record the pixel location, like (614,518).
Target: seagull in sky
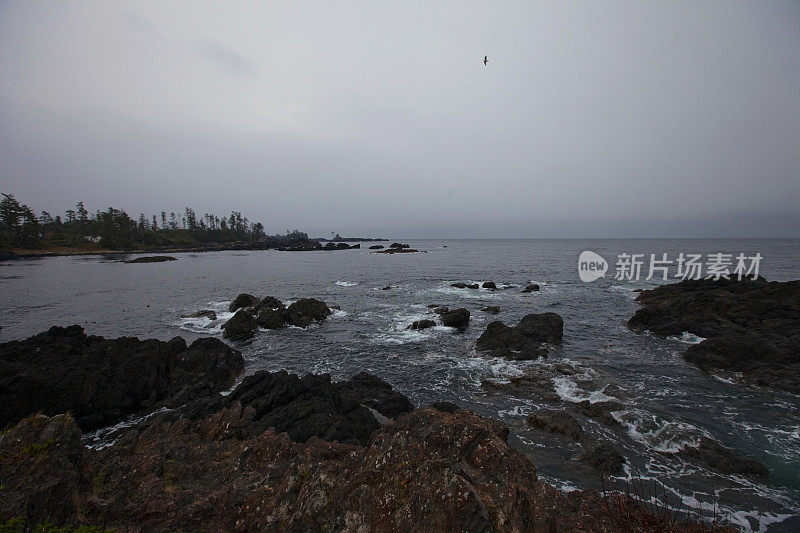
(485,59)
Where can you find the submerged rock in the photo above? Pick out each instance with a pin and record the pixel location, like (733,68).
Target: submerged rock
(533,287)
(556,421)
(376,247)
(491,309)
(205,313)
(601,456)
(101,381)
(724,460)
(489,285)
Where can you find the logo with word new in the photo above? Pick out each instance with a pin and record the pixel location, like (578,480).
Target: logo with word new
(591,266)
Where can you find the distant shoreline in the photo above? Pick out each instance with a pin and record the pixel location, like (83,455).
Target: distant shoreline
(296,246)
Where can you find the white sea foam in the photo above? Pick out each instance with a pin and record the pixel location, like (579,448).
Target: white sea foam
(688,338)
(658,434)
(346,283)
(105,437)
(569,391)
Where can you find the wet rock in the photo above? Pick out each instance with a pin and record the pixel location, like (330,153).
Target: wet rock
(422,324)
(268,302)
(463,285)
(458,318)
(242,325)
(102,381)
(601,456)
(724,460)
(440,310)
(556,421)
(533,287)
(749,326)
(387,288)
(270,318)
(398,246)
(302,312)
(152,259)
(600,411)
(542,327)
(375,393)
(491,309)
(523,341)
(489,285)
(376,247)
(243,300)
(205,313)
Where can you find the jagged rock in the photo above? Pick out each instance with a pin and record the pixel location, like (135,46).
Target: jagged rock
(243,300)
(724,460)
(101,381)
(556,422)
(749,326)
(205,313)
(242,325)
(600,410)
(375,393)
(440,310)
(522,341)
(398,246)
(457,318)
(489,285)
(422,324)
(152,259)
(533,287)
(302,312)
(268,302)
(491,309)
(270,318)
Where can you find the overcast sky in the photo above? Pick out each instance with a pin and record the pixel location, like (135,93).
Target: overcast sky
(591,119)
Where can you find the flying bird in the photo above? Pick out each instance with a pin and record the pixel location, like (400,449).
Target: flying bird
(485,59)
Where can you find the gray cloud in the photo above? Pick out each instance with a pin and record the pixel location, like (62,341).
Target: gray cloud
(619,119)
(224,57)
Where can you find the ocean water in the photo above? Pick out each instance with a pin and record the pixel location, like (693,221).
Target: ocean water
(667,403)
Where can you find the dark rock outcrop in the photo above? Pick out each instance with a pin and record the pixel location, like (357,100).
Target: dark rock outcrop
(457,318)
(243,300)
(101,381)
(749,326)
(152,259)
(268,302)
(489,285)
(601,456)
(399,246)
(463,285)
(242,325)
(422,324)
(376,247)
(270,318)
(305,310)
(533,287)
(523,341)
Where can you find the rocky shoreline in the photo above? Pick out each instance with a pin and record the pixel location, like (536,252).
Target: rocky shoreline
(750,328)
(278,452)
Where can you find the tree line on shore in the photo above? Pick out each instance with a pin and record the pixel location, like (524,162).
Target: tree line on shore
(114,229)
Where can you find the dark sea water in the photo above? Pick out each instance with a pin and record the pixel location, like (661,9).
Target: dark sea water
(667,402)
